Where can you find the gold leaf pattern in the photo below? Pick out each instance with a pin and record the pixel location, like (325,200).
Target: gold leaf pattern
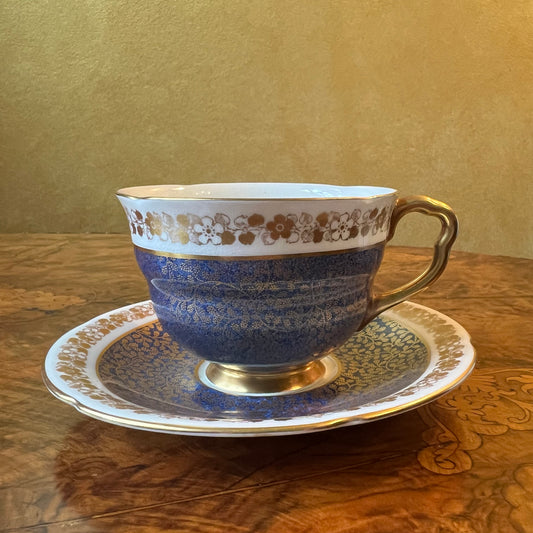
(70,364)
(220,229)
(146,368)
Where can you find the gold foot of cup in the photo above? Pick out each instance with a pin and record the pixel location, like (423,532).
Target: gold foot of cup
(241,380)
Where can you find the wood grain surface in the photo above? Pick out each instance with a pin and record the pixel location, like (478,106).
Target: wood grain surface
(461,463)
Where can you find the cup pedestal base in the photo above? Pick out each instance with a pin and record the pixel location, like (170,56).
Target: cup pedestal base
(275,380)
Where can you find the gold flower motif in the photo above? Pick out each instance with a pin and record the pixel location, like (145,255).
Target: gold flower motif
(220,230)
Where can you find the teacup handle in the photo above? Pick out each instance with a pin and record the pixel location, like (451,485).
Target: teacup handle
(441,251)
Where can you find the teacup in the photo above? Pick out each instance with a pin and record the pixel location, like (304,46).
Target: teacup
(263,281)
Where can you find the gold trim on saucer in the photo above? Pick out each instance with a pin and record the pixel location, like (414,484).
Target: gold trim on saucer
(68,372)
(186,429)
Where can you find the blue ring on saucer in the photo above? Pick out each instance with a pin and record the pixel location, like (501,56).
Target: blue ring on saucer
(148,369)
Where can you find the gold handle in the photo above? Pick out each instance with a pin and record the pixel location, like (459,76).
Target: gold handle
(441,251)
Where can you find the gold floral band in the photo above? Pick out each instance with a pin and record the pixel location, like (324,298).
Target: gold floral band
(220,229)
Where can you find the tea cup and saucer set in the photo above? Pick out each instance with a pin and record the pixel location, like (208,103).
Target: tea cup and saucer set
(263,319)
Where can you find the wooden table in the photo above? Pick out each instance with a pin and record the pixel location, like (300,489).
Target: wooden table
(462,463)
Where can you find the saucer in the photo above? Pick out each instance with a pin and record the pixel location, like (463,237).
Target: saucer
(121,368)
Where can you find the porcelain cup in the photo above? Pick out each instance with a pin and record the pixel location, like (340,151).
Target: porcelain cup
(263,281)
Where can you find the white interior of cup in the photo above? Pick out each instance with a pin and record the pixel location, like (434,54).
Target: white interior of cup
(254,191)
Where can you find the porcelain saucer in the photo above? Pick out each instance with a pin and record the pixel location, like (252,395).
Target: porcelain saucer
(121,368)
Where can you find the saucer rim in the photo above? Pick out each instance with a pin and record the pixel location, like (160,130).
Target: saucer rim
(235,428)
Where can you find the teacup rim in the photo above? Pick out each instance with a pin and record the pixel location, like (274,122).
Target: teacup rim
(349,192)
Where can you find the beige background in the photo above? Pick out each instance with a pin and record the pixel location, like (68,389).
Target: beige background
(431,97)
